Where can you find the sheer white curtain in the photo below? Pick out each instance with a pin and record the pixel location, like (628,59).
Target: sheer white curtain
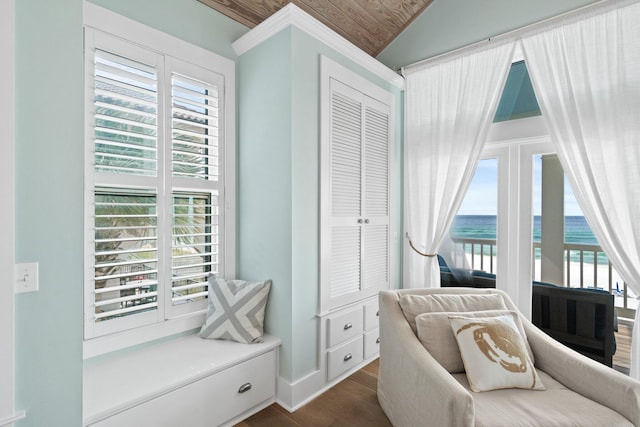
(586,76)
(449,108)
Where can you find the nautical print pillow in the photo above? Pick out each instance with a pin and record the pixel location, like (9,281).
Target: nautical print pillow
(494,354)
(236,310)
(434,332)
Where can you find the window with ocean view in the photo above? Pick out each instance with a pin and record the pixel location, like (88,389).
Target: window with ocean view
(573,256)
(475,226)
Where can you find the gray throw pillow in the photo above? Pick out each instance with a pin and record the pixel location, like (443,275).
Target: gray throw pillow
(236,310)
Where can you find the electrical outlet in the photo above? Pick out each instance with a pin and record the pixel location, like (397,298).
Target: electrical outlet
(25,277)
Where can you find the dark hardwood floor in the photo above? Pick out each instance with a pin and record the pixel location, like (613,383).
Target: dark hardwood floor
(353,402)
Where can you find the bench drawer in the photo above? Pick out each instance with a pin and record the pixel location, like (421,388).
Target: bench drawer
(207,402)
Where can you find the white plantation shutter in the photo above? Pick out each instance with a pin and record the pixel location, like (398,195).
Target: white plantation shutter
(126,254)
(126,115)
(195,170)
(355,168)
(154,168)
(194,130)
(194,247)
(124,212)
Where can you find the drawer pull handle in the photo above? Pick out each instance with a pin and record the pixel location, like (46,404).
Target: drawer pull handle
(348,326)
(348,357)
(378,313)
(244,387)
(378,340)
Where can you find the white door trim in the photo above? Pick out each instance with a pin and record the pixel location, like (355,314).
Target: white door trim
(7,215)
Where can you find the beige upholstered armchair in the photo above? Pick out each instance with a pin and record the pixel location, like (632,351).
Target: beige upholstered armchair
(417,387)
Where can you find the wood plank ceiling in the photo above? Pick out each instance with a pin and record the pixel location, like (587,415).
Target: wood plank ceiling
(369,24)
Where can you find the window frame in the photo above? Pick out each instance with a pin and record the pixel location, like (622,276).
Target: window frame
(514,143)
(171,51)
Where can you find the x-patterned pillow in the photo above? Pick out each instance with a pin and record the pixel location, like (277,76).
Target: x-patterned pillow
(236,310)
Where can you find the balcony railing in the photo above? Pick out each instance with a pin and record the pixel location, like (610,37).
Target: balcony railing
(586,266)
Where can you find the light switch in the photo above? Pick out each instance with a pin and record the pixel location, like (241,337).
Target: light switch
(25,277)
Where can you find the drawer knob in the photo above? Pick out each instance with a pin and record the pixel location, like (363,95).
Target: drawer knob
(244,387)
(348,357)
(348,326)
(378,340)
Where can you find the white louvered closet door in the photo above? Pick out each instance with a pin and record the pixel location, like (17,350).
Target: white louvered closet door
(355,206)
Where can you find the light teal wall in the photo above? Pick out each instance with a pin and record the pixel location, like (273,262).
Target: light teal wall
(279,101)
(49,186)
(449,24)
(264,179)
(49,174)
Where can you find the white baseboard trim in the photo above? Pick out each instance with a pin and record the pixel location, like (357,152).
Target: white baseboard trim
(293,396)
(20,415)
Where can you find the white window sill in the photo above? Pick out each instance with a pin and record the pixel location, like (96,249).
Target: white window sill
(123,340)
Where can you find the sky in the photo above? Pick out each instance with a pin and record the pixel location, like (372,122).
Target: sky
(482,196)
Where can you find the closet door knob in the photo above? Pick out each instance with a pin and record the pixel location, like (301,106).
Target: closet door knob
(366,221)
(359,220)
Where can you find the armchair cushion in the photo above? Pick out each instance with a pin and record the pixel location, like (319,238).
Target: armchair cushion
(557,406)
(413,305)
(435,334)
(494,353)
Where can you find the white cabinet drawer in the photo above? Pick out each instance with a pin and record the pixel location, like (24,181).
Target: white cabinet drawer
(371,343)
(345,325)
(208,402)
(371,315)
(344,357)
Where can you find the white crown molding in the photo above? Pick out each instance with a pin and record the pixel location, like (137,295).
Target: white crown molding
(291,15)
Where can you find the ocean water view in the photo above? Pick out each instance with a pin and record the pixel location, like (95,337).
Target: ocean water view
(577,231)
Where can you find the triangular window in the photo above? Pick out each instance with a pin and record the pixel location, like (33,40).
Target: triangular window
(518,99)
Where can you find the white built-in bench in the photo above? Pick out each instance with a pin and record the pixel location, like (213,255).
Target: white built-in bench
(187,381)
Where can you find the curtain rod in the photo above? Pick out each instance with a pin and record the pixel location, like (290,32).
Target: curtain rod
(571,16)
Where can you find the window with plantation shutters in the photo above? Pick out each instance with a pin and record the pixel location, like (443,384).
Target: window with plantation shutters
(355,187)
(155,185)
